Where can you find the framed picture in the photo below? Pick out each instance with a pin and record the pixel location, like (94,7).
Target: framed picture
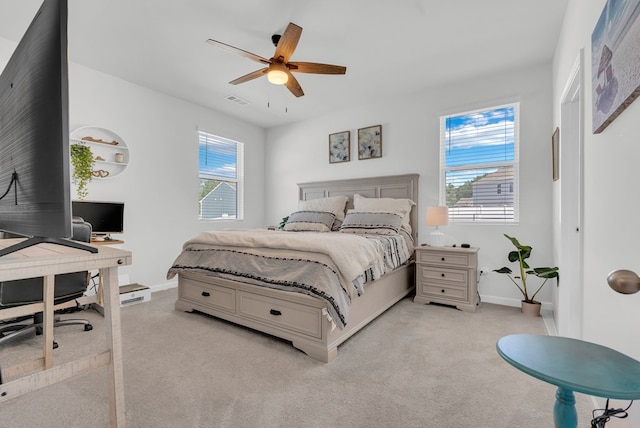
(615,63)
(370,142)
(555,153)
(340,147)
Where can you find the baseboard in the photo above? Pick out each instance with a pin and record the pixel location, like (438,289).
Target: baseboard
(505,301)
(164,286)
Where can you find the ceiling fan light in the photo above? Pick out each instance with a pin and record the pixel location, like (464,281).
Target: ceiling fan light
(277,77)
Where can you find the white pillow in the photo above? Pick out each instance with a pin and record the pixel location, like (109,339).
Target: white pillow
(332,204)
(386,204)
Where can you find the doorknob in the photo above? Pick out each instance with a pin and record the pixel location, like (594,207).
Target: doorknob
(624,281)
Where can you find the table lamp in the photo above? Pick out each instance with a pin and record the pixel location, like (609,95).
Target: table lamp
(437,216)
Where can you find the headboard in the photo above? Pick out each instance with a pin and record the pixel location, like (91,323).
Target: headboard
(393,186)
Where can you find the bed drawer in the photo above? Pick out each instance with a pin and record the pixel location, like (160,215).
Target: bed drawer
(208,294)
(295,317)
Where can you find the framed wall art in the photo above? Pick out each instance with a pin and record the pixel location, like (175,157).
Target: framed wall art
(615,64)
(555,153)
(340,147)
(370,142)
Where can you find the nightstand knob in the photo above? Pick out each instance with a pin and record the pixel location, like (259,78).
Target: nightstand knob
(442,275)
(442,259)
(442,291)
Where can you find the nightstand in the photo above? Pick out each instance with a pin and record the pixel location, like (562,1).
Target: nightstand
(447,275)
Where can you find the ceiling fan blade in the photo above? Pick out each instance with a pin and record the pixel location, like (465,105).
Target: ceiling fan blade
(314,67)
(293,85)
(239,51)
(288,42)
(250,76)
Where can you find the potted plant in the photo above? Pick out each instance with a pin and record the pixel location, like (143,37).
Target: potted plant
(529,305)
(283,222)
(82,161)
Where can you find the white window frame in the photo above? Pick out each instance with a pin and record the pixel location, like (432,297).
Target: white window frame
(479,214)
(238,180)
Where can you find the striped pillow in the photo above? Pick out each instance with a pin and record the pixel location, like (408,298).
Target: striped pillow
(372,222)
(310,221)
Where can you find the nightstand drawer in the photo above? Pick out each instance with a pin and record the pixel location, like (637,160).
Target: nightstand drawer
(447,275)
(443,258)
(458,293)
(443,276)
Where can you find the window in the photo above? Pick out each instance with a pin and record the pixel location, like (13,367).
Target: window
(220,169)
(479,164)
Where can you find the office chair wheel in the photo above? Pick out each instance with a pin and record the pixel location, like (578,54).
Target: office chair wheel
(88,327)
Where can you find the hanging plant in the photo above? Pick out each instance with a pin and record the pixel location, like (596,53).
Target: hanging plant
(82,161)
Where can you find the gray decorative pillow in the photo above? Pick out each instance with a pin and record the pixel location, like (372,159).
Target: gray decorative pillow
(310,221)
(372,222)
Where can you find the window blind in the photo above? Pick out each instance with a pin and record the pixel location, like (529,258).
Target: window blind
(220,169)
(479,164)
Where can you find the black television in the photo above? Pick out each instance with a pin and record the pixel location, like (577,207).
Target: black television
(105,217)
(34,134)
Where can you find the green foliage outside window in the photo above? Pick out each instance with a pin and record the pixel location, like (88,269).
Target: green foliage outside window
(207,186)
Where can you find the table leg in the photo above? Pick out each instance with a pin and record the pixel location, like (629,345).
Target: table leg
(564,410)
(48,296)
(111,300)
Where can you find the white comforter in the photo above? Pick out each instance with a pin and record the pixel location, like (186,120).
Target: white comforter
(352,254)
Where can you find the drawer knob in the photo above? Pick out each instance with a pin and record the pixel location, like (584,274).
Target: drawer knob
(206,294)
(442,259)
(442,291)
(275,312)
(442,275)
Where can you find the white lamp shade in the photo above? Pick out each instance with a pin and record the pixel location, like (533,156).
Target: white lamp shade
(437,216)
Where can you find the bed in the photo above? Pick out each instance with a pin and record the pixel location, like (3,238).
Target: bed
(310,323)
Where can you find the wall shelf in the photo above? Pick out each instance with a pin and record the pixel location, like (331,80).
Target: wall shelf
(107,148)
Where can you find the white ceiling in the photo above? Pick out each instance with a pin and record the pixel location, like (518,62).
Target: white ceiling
(390,48)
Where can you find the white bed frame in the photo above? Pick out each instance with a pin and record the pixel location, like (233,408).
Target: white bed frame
(297,317)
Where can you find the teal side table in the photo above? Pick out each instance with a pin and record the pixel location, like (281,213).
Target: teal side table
(573,366)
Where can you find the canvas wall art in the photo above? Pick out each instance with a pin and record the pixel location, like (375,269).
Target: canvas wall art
(615,64)
(370,142)
(339,147)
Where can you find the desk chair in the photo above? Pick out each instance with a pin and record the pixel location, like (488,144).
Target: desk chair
(67,287)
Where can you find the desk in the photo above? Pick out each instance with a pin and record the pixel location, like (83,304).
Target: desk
(48,260)
(107,242)
(572,365)
(98,304)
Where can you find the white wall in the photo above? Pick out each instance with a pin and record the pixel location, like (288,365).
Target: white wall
(610,206)
(160,186)
(610,227)
(410,128)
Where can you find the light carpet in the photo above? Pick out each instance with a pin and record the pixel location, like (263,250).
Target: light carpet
(414,366)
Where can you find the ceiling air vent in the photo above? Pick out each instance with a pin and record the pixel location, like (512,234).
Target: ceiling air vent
(236,100)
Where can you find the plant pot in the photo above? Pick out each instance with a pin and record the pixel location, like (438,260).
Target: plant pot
(530,309)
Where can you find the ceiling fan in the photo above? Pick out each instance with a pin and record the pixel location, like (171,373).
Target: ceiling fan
(279,69)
